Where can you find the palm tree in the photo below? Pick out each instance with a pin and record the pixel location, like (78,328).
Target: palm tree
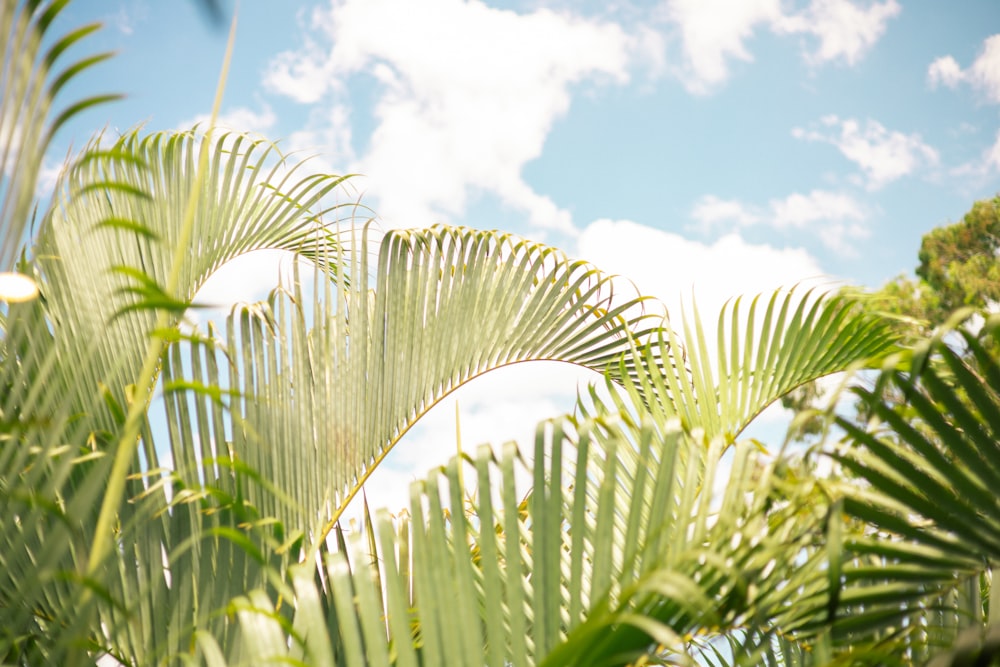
(622,551)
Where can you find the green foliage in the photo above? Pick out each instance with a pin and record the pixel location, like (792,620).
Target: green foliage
(959,268)
(641,529)
(960,261)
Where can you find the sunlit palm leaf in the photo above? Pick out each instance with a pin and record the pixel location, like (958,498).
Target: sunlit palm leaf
(616,549)
(544,586)
(319,393)
(759,357)
(42,440)
(340,380)
(329,389)
(105,252)
(617,552)
(930,486)
(68,364)
(33,71)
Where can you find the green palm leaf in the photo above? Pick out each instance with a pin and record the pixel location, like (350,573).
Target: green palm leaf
(928,460)
(759,357)
(40,521)
(553,583)
(283,429)
(32,74)
(104,253)
(617,551)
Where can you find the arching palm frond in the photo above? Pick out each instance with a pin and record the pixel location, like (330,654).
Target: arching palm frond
(36,425)
(928,463)
(71,356)
(620,550)
(758,357)
(33,71)
(105,251)
(553,578)
(316,388)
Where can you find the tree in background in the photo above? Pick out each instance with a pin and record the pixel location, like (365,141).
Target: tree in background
(959,268)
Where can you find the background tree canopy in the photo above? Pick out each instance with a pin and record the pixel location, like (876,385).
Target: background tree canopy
(959,267)
(642,528)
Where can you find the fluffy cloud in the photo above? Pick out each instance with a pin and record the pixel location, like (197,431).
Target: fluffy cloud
(845,30)
(834,216)
(992,156)
(240,119)
(798,210)
(883,155)
(125,19)
(713,32)
(710,211)
(466,95)
(945,71)
(983,75)
(669,266)
(983,168)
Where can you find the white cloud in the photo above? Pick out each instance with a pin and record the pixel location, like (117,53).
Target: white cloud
(946,71)
(985,71)
(48,177)
(833,216)
(466,95)
(883,155)
(985,166)
(128,16)
(798,210)
(245,279)
(711,210)
(992,156)
(846,30)
(983,75)
(714,32)
(669,266)
(240,119)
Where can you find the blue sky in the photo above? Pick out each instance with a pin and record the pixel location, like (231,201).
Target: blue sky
(728,145)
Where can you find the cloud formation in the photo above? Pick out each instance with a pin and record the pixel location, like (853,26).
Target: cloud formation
(240,119)
(465,95)
(882,155)
(835,217)
(987,164)
(714,32)
(711,210)
(670,267)
(983,75)
(846,30)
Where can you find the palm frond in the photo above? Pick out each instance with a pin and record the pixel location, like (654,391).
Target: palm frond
(33,71)
(619,550)
(777,345)
(927,463)
(105,251)
(68,364)
(618,546)
(272,428)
